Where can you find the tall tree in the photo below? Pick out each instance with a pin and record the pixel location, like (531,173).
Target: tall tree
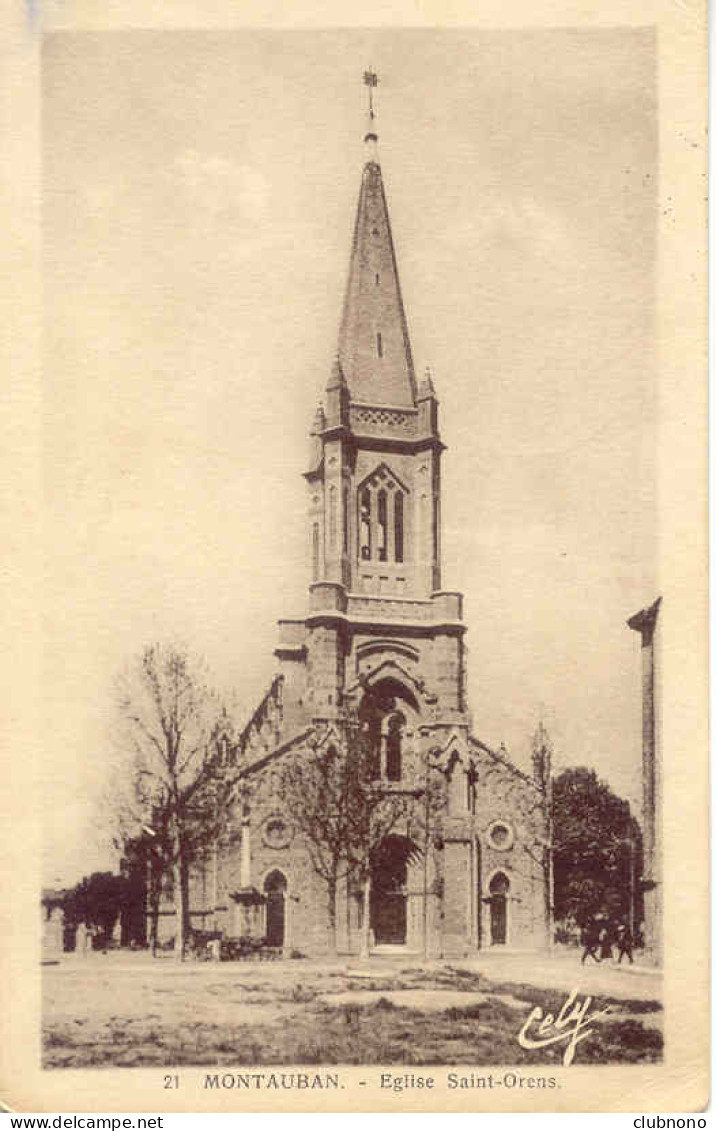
(542,848)
(177,786)
(97,901)
(344,812)
(597,849)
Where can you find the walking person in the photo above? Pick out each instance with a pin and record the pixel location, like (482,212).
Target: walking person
(590,941)
(605,941)
(81,940)
(625,943)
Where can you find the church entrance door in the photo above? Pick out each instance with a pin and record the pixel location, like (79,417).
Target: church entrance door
(389,917)
(388,898)
(499,887)
(275,890)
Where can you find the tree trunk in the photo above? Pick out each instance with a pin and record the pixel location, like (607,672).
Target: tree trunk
(332,886)
(181,897)
(154,926)
(180,935)
(155,895)
(186,906)
(365,933)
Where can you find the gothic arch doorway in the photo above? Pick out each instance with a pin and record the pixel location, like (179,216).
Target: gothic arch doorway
(275,891)
(389,890)
(499,889)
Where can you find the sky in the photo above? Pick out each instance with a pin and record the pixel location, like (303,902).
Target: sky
(199,191)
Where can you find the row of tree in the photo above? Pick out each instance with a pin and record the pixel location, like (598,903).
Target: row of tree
(176,789)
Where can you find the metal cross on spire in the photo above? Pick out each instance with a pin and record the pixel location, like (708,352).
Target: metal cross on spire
(370,79)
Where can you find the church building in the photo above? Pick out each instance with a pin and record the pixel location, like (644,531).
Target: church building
(383,638)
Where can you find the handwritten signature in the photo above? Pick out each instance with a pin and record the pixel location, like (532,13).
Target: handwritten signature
(573,1024)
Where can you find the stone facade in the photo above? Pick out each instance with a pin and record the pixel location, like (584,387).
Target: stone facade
(381,637)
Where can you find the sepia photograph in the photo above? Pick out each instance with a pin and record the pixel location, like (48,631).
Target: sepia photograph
(356,606)
(417,431)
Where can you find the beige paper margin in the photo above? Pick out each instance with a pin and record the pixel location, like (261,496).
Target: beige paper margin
(681,1082)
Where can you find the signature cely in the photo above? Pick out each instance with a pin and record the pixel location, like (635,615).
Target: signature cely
(572,1024)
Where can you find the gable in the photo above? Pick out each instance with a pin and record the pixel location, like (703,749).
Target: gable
(383,476)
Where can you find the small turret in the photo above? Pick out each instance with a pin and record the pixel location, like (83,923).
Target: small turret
(426,388)
(337,396)
(316,445)
(427,405)
(541,756)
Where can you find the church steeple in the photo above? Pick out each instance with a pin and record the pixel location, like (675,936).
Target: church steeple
(374,475)
(373,344)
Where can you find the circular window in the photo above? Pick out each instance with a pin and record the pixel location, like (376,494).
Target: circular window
(500,836)
(276,832)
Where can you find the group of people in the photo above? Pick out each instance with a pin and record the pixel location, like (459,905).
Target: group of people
(85,939)
(600,936)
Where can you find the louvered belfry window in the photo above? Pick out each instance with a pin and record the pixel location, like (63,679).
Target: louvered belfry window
(382,514)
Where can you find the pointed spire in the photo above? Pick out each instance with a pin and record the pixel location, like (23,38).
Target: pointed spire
(374,346)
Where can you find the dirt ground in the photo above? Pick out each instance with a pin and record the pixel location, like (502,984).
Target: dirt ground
(126,1009)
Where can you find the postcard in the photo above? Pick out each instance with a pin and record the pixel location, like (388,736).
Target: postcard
(357,739)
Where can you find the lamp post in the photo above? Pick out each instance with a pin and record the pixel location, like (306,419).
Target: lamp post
(631,852)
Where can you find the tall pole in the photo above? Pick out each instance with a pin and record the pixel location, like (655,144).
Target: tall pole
(632,885)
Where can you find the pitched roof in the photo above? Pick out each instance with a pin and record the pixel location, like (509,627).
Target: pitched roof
(503,760)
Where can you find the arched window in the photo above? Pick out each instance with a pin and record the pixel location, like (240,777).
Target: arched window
(499,884)
(346,497)
(382,518)
(384,722)
(275,891)
(370,718)
(457,794)
(393,747)
(365,547)
(398,512)
(382,526)
(471,778)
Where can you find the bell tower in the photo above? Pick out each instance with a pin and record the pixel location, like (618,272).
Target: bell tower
(374,487)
